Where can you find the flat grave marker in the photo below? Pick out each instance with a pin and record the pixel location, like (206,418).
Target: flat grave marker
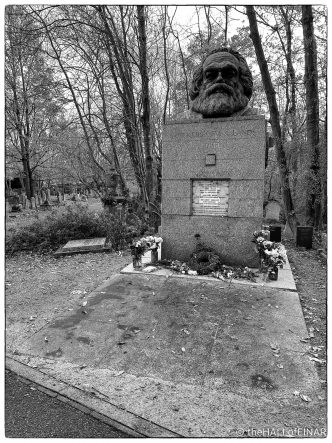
(83,245)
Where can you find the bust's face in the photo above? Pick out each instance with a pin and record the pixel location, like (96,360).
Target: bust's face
(221,93)
(220,72)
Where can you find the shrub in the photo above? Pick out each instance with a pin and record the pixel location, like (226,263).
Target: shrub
(74,222)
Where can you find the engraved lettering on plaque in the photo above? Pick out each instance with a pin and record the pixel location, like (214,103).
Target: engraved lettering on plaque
(210,197)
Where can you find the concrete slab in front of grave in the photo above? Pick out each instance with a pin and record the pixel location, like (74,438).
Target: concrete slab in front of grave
(196,357)
(84,245)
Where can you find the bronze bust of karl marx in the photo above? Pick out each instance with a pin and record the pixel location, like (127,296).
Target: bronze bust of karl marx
(222,86)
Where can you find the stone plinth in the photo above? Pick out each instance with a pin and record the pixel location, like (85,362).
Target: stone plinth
(213,185)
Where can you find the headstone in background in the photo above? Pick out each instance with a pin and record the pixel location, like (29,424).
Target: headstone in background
(14,200)
(33,203)
(38,198)
(120,209)
(43,196)
(272,210)
(7,208)
(48,195)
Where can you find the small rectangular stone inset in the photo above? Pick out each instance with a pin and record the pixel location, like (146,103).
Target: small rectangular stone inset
(210,197)
(210,160)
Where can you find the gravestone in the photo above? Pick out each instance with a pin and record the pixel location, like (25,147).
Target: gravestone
(213,168)
(8,208)
(43,196)
(33,203)
(84,245)
(272,210)
(14,200)
(25,202)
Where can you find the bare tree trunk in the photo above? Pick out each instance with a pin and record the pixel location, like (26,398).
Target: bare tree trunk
(208,21)
(312,102)
(24,147)
(274,117)
(176,35)
(145,118)
(291,71)
(199,27)
(291,100)
(165,62)
(121,72)
(226,22)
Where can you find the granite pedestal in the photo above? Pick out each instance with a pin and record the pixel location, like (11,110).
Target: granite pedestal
(213,185)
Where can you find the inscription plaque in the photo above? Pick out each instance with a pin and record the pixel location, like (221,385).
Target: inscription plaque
(210,197)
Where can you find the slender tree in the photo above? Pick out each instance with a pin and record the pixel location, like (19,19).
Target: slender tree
(145,118)
(312,101)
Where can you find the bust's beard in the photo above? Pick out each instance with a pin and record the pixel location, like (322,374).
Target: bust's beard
(219,103)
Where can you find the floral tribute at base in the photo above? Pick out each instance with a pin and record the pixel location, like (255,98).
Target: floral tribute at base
(206,261)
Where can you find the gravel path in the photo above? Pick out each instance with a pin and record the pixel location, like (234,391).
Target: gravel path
(30,413)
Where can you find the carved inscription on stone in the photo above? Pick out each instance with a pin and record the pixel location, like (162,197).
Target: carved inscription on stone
(210,197)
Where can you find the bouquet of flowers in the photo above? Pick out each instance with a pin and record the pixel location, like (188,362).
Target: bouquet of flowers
(272,255)
(152,242)
(139,247)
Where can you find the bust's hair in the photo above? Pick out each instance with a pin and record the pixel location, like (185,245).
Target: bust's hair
(245,75)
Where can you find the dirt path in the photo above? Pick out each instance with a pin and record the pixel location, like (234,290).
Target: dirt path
(310,274)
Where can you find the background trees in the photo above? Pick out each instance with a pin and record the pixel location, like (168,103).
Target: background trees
(88,89)
(32,104)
